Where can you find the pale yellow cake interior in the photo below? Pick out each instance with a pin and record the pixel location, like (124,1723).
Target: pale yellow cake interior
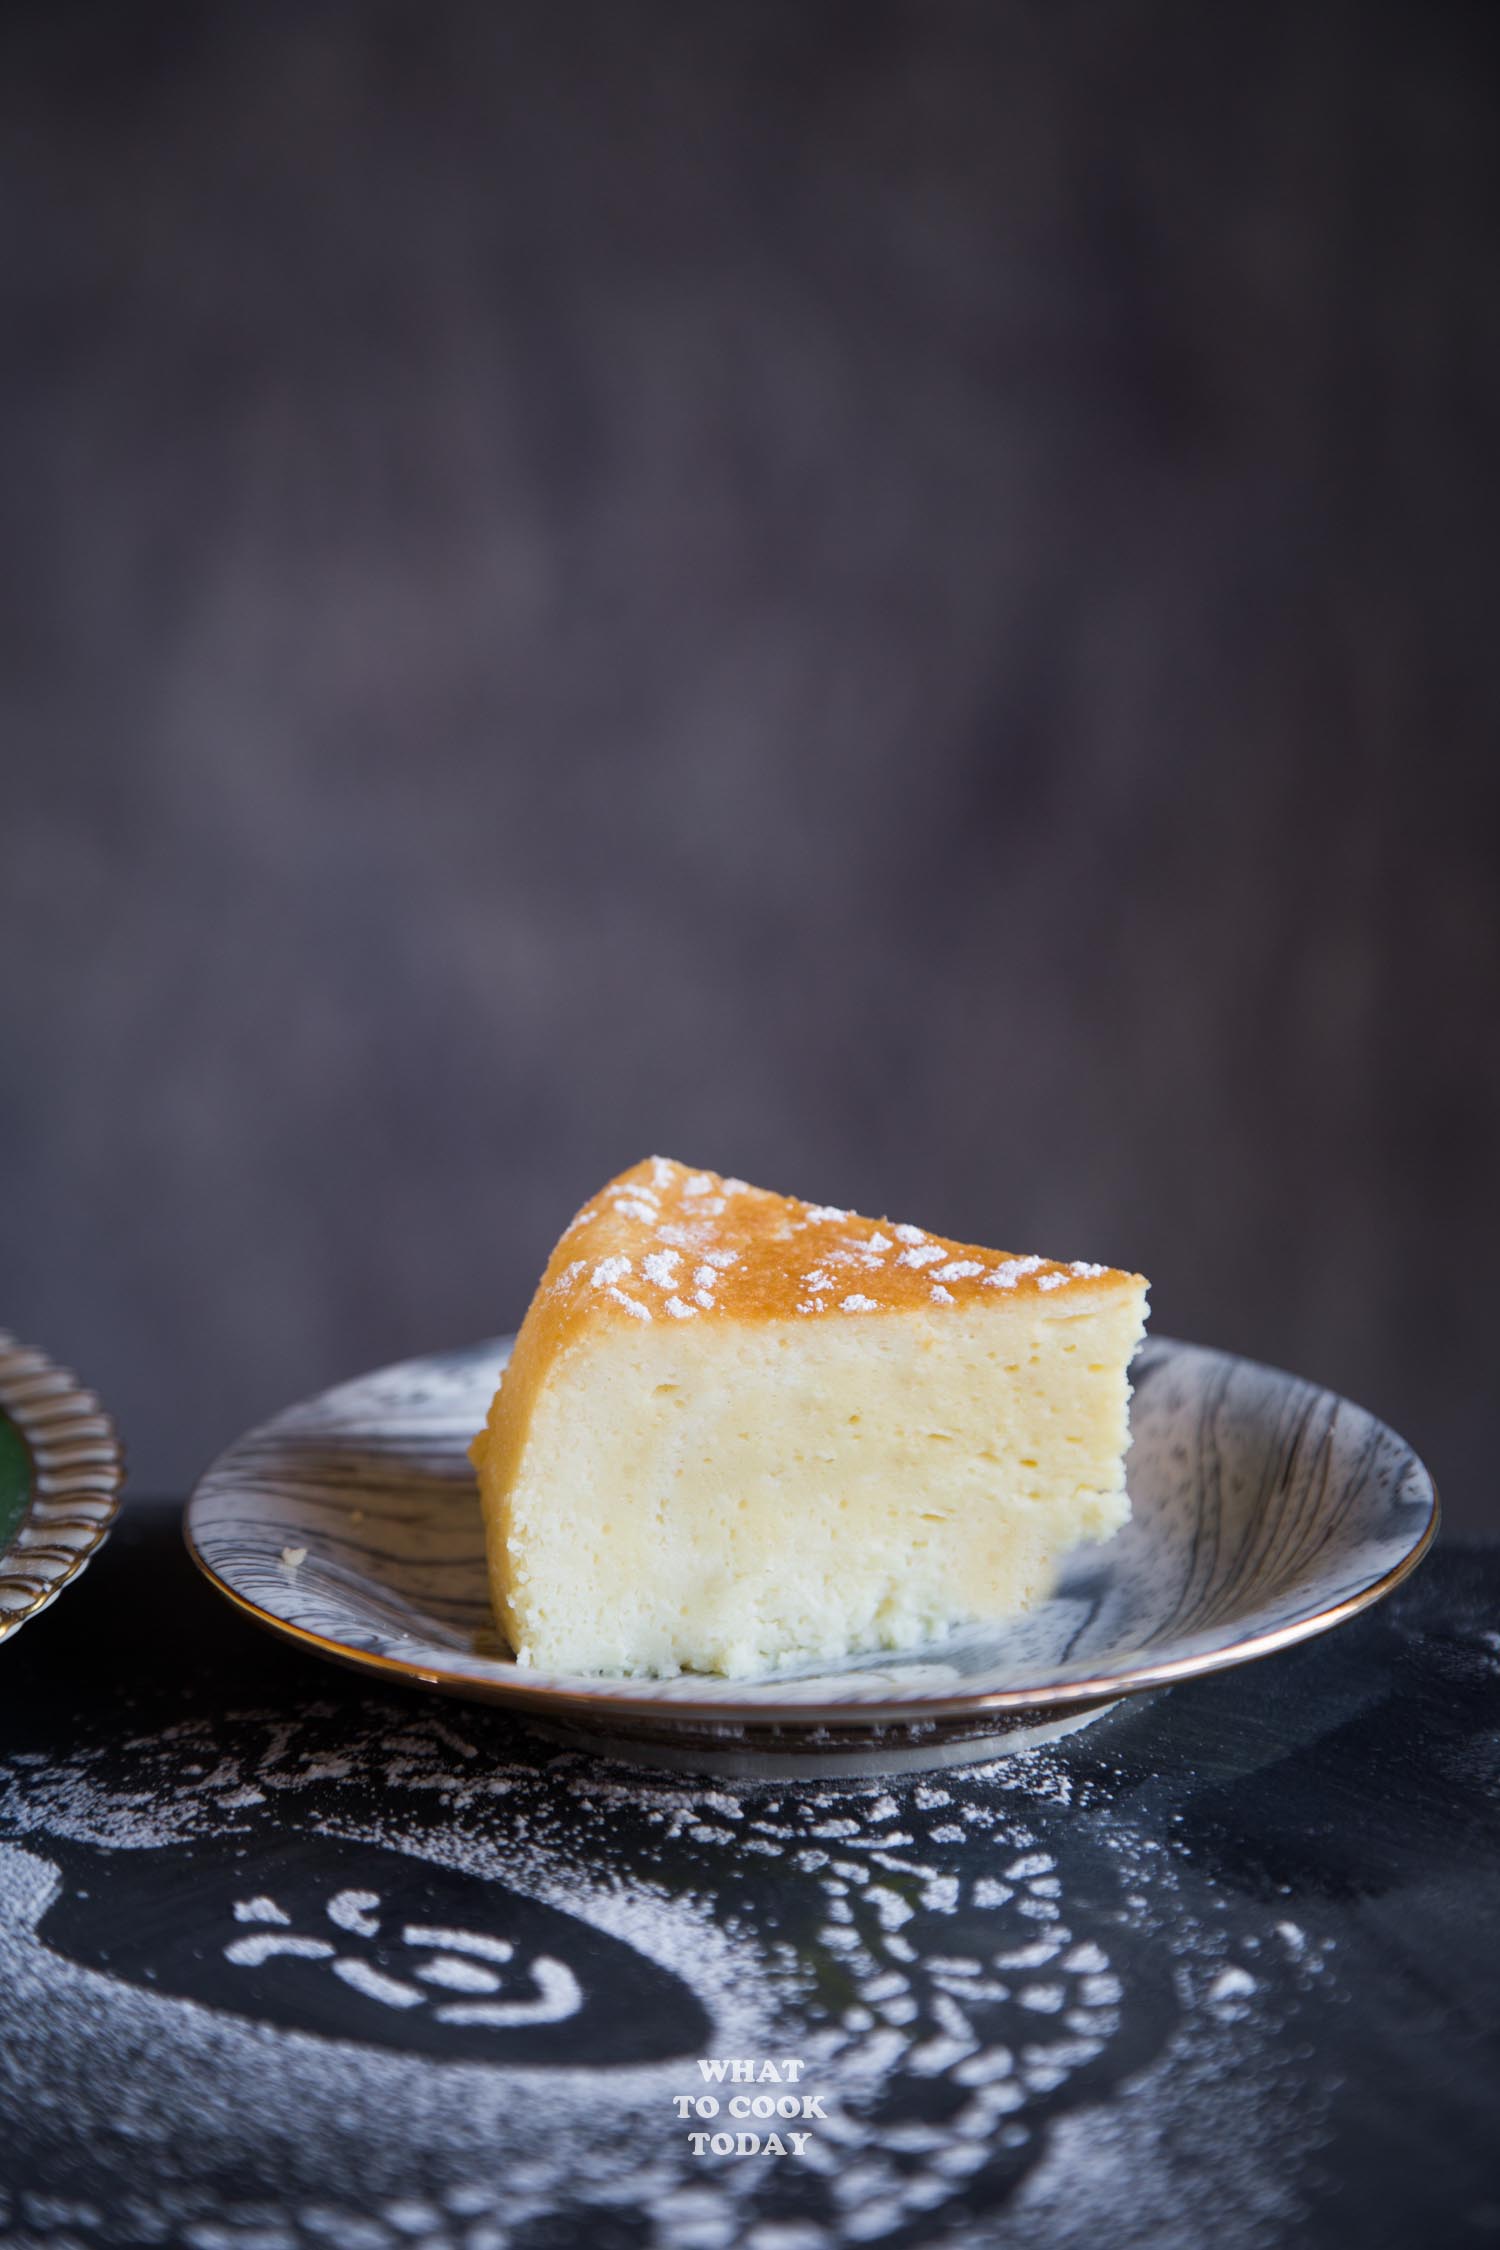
(739,1431)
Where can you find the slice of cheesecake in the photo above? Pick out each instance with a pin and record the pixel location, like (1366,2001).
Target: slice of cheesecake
(739,1431)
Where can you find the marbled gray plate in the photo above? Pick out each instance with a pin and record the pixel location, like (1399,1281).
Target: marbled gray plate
(1265,1509)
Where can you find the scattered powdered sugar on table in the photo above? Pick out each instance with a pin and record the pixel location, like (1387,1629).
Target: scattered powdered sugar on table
(967,1964)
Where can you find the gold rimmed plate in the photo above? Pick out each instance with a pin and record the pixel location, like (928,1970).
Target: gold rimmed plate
(1264,1509)
(61,1470)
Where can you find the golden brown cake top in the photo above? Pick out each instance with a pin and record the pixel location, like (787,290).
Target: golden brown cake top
(664,1243)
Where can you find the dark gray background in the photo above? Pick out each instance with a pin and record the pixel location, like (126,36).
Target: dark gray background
(899,599)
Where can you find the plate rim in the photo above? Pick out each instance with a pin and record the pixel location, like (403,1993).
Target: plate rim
(542,1694)
(77,1478)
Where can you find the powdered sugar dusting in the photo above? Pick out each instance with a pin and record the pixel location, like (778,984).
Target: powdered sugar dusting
(699,1245)
(983,1954)
(1010,1271)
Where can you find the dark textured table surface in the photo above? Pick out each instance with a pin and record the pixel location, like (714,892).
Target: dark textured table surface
(284,1961)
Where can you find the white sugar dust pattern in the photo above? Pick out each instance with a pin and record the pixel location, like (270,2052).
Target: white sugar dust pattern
(454,1960)
(999,2033)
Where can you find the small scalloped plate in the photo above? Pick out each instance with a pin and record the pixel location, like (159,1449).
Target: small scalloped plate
(61,1470)
(1264,1510)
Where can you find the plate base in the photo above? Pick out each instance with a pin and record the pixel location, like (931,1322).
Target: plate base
(826,1753)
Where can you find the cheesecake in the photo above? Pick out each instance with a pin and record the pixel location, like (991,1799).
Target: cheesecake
(739,1432)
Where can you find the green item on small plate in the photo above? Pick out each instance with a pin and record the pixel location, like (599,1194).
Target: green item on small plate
(15,1479)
